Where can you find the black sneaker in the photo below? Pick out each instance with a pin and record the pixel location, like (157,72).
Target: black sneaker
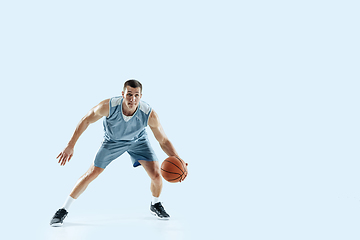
(58,218)
(158,210)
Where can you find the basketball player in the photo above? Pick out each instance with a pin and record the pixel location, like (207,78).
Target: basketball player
(124,124)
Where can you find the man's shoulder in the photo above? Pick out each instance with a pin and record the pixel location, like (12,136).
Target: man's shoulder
(144,107)
(115,101)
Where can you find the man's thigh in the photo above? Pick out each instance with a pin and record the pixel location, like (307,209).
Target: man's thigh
(141,150)
(151,167)
(108,152)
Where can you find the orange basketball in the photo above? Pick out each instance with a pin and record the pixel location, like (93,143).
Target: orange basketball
(173,169)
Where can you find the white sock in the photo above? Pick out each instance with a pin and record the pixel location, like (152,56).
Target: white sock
(155,200)
(68,202)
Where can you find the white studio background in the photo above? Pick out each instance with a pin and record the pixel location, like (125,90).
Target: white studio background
(259,97)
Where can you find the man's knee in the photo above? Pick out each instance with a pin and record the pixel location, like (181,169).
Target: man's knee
(97,170)
(93,172)
(152,168)
(156,175)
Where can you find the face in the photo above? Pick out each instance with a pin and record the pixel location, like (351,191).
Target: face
(131,97)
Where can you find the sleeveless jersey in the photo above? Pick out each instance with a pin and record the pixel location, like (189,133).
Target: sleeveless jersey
(117,129)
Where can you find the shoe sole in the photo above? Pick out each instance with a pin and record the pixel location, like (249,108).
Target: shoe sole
(56,225)
(153,213)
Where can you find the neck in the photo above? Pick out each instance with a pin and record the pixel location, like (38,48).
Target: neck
(127,111)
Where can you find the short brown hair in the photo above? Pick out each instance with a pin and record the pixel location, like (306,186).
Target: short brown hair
(133,83)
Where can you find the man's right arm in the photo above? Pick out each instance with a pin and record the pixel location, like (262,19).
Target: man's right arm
(96,113)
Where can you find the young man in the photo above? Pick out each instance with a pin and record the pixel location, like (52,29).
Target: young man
(124,124)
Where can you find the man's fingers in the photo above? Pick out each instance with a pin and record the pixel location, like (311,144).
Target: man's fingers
(60,157)
(63,157)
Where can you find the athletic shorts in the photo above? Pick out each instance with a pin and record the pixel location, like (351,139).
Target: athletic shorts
(139,149)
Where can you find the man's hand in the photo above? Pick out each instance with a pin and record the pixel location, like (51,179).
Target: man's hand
(65,155)
(186,170)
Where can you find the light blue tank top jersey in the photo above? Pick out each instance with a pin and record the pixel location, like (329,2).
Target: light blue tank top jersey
(117,129)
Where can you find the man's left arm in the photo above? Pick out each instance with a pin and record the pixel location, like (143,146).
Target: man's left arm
(160,135)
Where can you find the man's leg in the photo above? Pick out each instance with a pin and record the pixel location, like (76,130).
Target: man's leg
(78,189)
(85,180)
(153,170)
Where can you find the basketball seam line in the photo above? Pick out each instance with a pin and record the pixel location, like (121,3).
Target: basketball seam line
(169,180)
(171,172)
(182,166)
(174,178)
(175,165)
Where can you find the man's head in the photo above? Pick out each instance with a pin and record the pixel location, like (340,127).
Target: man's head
(133,83)
(132,94)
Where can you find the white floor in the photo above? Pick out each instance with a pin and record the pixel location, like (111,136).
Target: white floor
(117,226)
(338,221)
(260,210)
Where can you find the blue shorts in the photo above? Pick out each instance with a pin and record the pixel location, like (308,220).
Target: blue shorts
(139,149)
